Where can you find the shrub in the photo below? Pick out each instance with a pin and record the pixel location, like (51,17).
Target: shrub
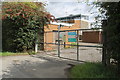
(32,53)
(21,22)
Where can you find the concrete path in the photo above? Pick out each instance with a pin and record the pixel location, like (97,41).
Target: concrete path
(40,66)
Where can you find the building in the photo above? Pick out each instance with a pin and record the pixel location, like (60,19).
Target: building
(71,22)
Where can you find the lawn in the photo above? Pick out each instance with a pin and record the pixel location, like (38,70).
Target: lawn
(92,70)
(11,54)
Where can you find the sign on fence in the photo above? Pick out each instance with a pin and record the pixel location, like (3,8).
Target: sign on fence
(72,37)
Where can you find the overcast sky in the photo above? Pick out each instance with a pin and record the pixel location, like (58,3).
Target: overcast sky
(61,9)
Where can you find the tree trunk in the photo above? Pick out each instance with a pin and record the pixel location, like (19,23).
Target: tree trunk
(104,55)
(104,47)
(118,68)
(107,57)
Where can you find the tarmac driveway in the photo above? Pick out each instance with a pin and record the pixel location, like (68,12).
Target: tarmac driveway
(34,67)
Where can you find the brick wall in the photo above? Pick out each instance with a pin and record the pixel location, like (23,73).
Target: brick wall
(92,36)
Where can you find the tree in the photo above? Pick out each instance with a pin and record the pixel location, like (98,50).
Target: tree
(111,28)
(21,22)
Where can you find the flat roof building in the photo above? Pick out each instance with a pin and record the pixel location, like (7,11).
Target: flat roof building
(71,22)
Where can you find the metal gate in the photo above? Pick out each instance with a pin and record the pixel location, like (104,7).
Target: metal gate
(79,44)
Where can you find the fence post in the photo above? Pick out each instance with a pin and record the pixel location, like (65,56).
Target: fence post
(59,40)
(77,45)
(36,47)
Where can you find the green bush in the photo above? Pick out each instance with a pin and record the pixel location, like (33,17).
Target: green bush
(22,23)
(32,53)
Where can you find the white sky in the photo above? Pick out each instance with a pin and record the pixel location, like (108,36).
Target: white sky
(61,9)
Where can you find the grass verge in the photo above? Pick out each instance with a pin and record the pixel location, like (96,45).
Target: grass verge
(11,54)
(92,70)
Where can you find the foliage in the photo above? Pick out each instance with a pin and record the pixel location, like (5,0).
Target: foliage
(92,70)
(111,28)
(21,22)
(32,53)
